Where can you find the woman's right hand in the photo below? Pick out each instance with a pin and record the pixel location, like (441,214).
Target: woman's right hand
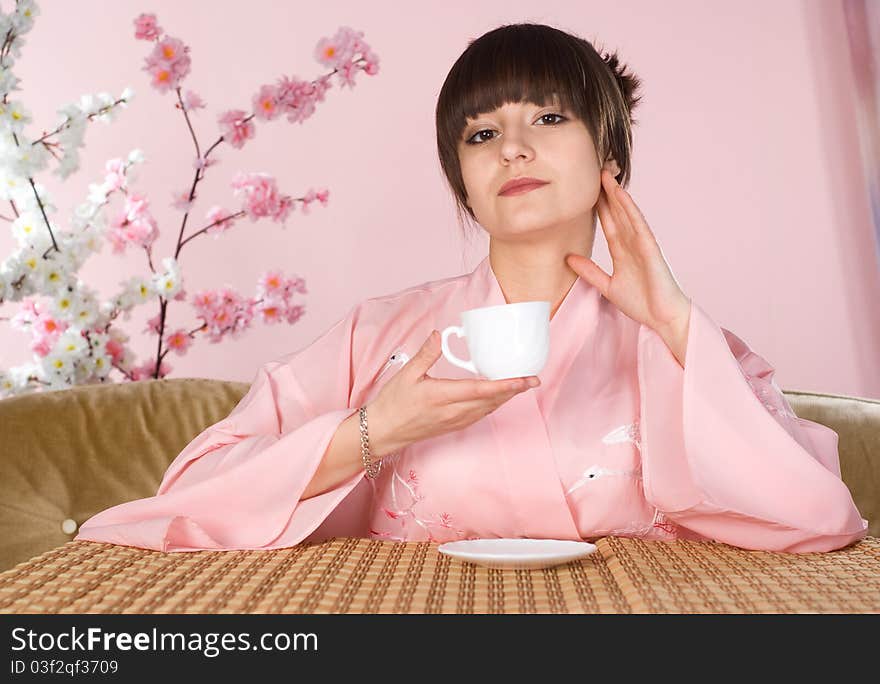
(412,406)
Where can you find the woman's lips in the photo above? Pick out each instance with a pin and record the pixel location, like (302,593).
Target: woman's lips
(520,189)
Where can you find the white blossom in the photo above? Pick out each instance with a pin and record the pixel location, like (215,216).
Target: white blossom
(127,96)
(54,273)
(23,16)
(8,80)
(98,193)
(100,364)
(71,342)
(136,290)
(9,182)
(63,304)
(16,379)
(168,283)
(14,116)
(26,160)
(25,228)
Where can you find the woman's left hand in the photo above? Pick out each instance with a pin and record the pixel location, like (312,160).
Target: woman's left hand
(642,285)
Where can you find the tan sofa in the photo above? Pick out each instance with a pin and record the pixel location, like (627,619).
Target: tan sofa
(68,454)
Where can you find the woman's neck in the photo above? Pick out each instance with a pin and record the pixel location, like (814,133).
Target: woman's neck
(526,272)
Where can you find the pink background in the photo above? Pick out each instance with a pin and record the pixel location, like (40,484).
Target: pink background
(746,163)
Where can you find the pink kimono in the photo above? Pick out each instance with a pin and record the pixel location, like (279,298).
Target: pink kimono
(617,440)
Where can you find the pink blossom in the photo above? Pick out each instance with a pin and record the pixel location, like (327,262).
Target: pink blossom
(270,310)
(180,200)
(339,52)
(202,163)
(225,312)
(346,74)
(147,369)
(44,328)
(192,101)
(164,369)
(271,283)
(311,196)
(336,51)
(168,63)
(153,325)
(266,103)
(299,97)
(261,196)
(179,341)
(357,44)
(115,349)
(135,206)
(145,27)
(294,313)
(327,52)
(297,285)
(46,325)
(133,224)
(235,130)
(162,78)
(42,346)
(115,177)
(30,308)
(174,53)
(205,300)
(221,217)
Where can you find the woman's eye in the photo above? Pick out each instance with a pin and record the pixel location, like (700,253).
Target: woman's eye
(471,141)
(557,115)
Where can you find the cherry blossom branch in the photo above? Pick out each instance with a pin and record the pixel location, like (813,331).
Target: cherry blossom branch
(74,337)
(69,121)
(42,208)
(188,123)
(211,225)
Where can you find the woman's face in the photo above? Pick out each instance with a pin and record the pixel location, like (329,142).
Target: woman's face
(543,142)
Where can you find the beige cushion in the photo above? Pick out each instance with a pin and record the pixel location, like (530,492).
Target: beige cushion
(68,454)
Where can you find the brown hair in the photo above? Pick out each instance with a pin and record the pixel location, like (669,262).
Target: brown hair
(529,63)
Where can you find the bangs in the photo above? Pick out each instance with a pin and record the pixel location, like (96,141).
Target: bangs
(515,66)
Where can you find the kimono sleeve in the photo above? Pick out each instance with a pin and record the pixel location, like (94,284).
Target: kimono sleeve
(724,455)
(237,485)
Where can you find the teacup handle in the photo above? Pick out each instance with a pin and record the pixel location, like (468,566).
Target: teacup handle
(447,352)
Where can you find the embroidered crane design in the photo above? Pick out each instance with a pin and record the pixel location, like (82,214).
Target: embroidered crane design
(398,357)
(404,490)
(595,471)
(624,433)
(628,433)
(404,493)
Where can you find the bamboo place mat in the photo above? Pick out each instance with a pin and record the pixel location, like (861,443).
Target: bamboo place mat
(353,575)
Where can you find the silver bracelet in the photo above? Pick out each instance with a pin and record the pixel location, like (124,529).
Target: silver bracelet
(371,467)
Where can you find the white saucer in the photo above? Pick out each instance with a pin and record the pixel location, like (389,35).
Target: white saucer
(518,554)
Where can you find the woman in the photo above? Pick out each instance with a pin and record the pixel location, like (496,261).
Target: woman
(648,419)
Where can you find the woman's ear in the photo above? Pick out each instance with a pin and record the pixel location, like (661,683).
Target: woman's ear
(611,165)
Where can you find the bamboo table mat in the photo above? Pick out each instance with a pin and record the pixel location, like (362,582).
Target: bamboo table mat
(353,575)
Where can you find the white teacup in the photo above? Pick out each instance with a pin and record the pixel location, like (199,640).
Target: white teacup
(504,341)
